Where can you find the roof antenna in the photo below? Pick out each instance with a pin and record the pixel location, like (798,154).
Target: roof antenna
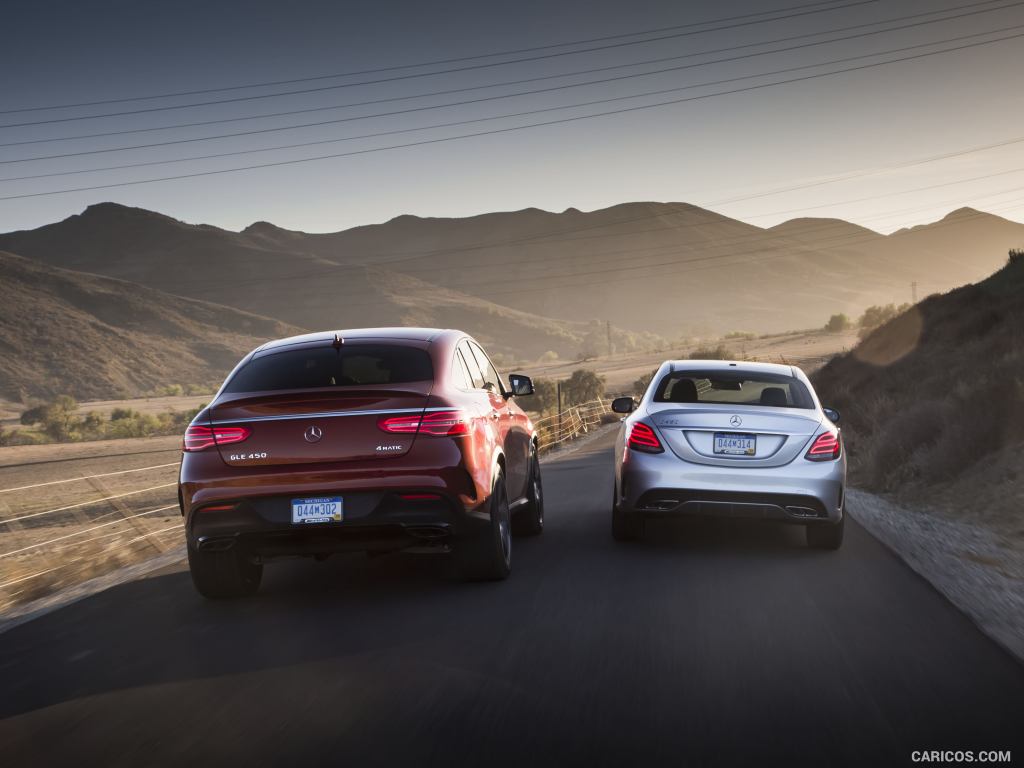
(338,341)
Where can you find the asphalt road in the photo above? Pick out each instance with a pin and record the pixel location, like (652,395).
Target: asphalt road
(708,644)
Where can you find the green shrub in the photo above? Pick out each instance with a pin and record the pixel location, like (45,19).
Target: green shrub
(582,386)
(545,395)
(877,315)
(641,384)
(838,323)
(59,420)
(721,352)
(33,415)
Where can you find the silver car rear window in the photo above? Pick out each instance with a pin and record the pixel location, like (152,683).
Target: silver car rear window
(733,388)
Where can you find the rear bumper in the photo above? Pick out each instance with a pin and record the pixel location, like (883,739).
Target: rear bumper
(662,485)
(374,521)
(376,518)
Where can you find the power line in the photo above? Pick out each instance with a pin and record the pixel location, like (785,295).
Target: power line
(747,17)
(379,134)
(495,131)
(483,99)
(287,113)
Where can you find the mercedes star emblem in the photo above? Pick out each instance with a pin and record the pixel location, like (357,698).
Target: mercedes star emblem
(734,420)
(313,434)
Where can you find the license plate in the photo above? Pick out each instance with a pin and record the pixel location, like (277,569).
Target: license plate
(733,444)
(319,510)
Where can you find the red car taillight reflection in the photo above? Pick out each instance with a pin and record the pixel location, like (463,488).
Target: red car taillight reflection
(438,424)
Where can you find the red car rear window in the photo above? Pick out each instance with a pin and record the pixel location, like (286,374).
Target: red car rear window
(317,367)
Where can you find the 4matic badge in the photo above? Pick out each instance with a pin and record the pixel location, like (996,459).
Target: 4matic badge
(388,448)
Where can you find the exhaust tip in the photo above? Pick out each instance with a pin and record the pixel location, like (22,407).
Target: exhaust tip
(802,511)
(429,533)
(216,545)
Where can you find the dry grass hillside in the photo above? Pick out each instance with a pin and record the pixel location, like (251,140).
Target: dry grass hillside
(668,268)
(933,402)
(64,332)
(287,275)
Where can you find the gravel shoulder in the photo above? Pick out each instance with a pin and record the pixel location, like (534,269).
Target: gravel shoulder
(968,563)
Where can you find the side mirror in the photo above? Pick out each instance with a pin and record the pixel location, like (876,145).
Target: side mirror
(831,414)
(520,385)
(623,405)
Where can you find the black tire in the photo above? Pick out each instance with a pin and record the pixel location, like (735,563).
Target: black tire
(826,535)
(625,527)
(487,556)
(222,575)
(528,520)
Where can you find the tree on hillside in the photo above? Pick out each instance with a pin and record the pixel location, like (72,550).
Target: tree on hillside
(60,420)
(582,386)
(876,315)
(33,415)
(641,384)
(838,323)
(545,395)
(593,345)
(1016,254)
(721,352)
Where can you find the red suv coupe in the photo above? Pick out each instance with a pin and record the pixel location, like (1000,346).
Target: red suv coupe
(375,440)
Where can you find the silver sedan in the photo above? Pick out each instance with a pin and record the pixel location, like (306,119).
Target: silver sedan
(730,439)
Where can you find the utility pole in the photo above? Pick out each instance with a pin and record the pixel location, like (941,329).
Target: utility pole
(608,330)
(913,292)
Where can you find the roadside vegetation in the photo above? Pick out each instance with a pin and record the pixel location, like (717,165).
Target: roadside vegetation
(873,317)
(837,323)
(932,400)
(582,386)
(720,352)
(59,421)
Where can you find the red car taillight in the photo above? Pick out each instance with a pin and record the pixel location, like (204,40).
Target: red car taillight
(826,447)
(438,424)
(642,438)
(199,438)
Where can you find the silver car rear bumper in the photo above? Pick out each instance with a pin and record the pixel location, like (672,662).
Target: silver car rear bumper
(663,485)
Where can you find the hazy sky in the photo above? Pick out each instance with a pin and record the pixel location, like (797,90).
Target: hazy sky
(708,152)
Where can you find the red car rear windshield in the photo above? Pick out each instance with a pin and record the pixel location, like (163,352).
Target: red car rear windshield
(317,367)
(733,388)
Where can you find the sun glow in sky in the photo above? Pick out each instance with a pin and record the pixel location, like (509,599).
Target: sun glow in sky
(759,155)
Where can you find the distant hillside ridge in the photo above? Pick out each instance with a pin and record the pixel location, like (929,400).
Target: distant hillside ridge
(65,332)
(664,268)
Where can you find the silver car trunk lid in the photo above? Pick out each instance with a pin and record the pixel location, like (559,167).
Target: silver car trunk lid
(780,434)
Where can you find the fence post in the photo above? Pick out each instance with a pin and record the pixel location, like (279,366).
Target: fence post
(559,433)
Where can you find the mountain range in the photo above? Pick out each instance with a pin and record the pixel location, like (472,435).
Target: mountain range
(530,281)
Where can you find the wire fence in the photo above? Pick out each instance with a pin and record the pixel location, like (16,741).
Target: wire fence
(58,532)
(571,423)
